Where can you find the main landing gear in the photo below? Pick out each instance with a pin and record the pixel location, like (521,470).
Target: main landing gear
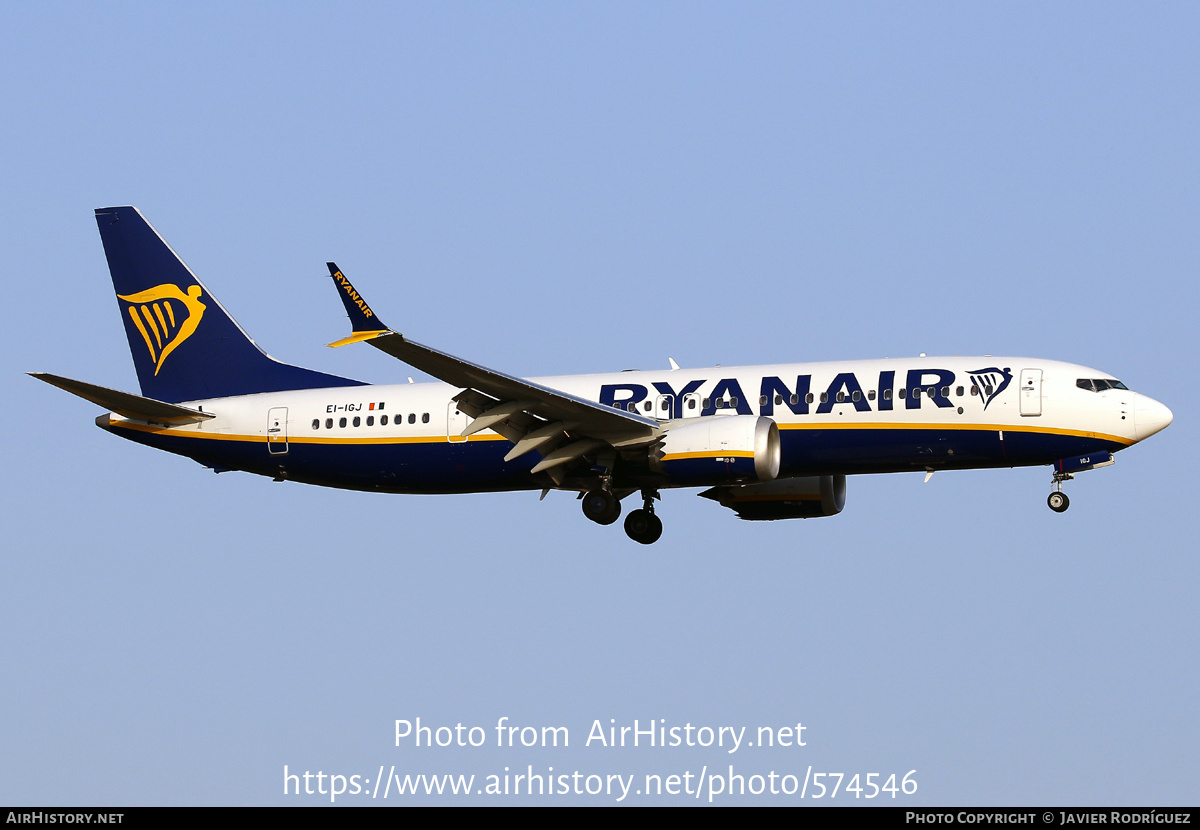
(642,526)
(601,506)
(1057,499)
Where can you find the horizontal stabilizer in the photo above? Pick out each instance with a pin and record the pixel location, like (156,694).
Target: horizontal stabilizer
(123,403)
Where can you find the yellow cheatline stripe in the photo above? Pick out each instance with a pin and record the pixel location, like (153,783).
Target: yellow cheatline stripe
(433,439)
(416,439)
(975,427)
(226,436)
(357,337)
(137,321)
(675,456)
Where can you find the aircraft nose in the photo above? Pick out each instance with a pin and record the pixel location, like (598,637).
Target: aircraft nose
(1149,417)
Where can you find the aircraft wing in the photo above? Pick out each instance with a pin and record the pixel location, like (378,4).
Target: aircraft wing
(530,415)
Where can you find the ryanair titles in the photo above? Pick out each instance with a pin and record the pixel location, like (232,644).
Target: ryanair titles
(345,285)
(937,386)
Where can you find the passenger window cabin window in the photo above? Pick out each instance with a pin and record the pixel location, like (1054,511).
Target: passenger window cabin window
(794,399)
(762,400)
(856,397)
(691,403)
(646,406)
(357,421)
(383,420)
(342,423)
(945,391)
(808,398)
(974,391)
(871,395)
(329,423)
(824,397)
(707,401)
(958,392)
(887,394)
(902,393)
(316,423)
(778,400)
(370,420)
(425,418)
(841,396)
(916,393)
(931,391)
(412,417)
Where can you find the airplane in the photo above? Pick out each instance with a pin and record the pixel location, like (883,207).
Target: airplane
(768,442)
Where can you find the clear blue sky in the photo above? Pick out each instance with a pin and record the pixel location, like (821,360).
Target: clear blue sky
(557,188)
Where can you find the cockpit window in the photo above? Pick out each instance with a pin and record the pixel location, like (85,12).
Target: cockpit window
(1100,384)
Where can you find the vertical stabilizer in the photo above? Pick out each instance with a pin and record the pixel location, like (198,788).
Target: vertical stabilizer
(184,345)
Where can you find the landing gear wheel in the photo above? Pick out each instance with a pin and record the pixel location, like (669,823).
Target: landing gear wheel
(601,507)
(643,527)
(1058,501)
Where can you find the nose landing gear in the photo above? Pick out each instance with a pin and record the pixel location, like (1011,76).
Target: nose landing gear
(642,525)
(1057,500)
(1063,470)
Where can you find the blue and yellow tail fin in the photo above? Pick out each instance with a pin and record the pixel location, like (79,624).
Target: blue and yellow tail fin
(185,346)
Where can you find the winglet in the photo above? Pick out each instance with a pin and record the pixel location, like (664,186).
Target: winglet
(363,321)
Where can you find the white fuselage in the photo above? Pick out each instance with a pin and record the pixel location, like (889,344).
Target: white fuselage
(835,417)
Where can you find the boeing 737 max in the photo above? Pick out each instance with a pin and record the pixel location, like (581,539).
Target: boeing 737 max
(770,442)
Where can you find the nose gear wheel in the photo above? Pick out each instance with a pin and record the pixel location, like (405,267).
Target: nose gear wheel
(1057,500)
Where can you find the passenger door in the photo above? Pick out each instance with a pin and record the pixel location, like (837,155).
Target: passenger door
(277,430)
(1031,392)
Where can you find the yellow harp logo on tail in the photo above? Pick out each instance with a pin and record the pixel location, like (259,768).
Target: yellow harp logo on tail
(165,317)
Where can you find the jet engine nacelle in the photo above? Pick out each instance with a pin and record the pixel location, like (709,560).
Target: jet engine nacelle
(719,449)
(805,497)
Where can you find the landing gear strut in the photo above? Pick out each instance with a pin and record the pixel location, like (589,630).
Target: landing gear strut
(1057,499)
(601,506)
(642,525)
